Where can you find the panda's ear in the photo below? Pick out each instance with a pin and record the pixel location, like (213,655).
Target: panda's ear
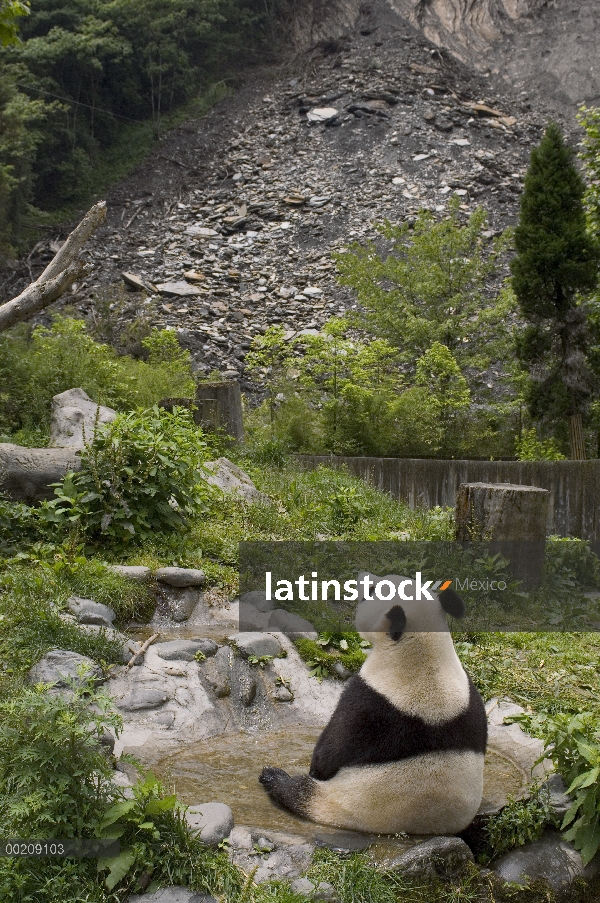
(397,620)
(452,603)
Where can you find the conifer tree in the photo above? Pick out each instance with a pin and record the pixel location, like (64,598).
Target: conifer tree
(555,266)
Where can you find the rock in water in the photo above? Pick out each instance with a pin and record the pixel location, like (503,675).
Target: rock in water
(257,644)
(185,650)
(74,418)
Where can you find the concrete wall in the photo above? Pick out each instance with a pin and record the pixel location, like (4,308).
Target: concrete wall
(574,485)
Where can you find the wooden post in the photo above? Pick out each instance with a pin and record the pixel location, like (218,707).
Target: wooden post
(576,438)
(510,519)
(220,407)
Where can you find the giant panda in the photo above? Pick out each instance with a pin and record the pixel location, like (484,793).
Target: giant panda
(405,746)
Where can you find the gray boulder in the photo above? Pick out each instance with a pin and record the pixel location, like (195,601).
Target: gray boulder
(89,612)
(251,619)
(551,858)
(172,895)
(180,602)
(74,418)
(61,668)
(288,622)
(258,599)
(228,477)
(217,672)
(439,857)
(213,821)
(180,577)
(256,644)
(136,572)
(143,698)
(315,890)
(185,650)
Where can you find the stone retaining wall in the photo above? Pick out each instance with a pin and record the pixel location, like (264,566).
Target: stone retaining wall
(574,486)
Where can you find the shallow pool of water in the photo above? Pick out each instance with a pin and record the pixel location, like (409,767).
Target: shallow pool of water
(226,768)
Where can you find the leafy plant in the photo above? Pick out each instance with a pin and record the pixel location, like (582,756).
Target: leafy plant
(530,448)
(573,744)
(54,776)
(36,366)
(519,822)
(140,476)
(261,660)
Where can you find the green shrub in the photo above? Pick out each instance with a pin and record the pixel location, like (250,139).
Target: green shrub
(140,476)
(35,367)
(321,655)
(55,783)
(573,744)
(54,774)
(530,448)
(519,822)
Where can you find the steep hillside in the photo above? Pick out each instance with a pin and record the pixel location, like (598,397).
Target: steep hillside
(231,220)
(547,49)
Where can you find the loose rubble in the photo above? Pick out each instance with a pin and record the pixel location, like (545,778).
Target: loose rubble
(230,225)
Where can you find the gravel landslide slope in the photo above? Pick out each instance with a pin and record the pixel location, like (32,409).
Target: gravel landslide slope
(231,221)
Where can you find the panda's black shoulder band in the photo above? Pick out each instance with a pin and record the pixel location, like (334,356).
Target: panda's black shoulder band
(452,603)
(397,619)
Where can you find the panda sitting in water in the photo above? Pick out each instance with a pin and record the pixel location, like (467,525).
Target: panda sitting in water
(404,748)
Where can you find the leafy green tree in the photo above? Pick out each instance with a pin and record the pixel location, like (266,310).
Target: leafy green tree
(590,155)
(433,287)
(269,360)
(10,10)
(556,263)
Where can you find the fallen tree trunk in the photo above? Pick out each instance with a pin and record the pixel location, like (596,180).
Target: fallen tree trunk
(62,271)
(26,474)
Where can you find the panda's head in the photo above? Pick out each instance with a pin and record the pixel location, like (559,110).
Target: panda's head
(389,619)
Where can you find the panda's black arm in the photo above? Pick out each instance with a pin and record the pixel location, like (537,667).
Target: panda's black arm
(349,736)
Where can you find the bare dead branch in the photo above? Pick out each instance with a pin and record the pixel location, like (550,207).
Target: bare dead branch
(62,271)
(141,651)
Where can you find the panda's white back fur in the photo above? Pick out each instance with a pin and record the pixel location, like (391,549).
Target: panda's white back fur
(421,675)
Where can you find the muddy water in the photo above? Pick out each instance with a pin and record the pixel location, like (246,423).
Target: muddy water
(226,769)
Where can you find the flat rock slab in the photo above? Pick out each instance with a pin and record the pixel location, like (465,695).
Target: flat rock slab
(439,857)
(143,698)
(185,650)
(89,612)
(172,895)
(214,821)
(61,667)
(257,644)
(136,572)
(180,577)
(551,858)
(74,419)
(178,289)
